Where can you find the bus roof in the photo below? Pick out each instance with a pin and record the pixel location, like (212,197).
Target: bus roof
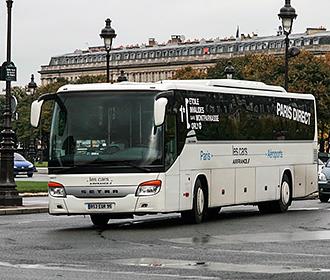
(214,85)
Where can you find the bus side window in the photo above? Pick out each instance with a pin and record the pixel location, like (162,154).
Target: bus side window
(170,140)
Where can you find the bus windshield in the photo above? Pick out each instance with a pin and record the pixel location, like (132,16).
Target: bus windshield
(113,130)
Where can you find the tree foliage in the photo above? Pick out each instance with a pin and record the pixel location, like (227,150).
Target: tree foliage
(22,127)
(189,73)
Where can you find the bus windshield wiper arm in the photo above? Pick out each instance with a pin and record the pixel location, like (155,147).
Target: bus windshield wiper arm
(145,169)
(108,163)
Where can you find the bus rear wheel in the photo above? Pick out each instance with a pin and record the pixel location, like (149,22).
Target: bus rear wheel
(198,212)
(99,220)
(323,198)
(281,205)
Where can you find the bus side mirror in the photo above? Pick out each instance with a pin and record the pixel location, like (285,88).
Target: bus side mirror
(159,110)
(35,112)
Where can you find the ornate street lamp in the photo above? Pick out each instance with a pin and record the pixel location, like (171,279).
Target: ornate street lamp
(287,15)
(108,34)
(229,70)
(32,86)
(8,193)
(122,77)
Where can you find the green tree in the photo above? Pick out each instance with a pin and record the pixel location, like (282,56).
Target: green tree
(189,73)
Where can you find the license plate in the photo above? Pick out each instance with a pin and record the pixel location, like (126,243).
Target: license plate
(100,206)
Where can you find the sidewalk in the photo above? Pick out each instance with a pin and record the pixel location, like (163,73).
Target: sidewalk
(31,205)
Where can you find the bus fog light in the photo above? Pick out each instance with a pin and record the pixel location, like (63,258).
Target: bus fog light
(149,188)
(56,189)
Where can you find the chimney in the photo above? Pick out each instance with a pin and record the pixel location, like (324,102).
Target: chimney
(152,42)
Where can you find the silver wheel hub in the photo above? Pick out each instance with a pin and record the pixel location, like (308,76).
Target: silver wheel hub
(200,201)
(285,193)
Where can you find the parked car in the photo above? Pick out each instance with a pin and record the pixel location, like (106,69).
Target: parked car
(22,166)
(324,183)
(320,166)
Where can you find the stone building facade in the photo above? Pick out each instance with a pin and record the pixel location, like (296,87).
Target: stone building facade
(153,62)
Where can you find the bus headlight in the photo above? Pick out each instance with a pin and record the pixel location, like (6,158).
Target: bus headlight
(148,188)
(322,177)
(56,189)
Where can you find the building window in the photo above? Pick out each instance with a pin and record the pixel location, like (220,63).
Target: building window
(192,51)
(138,55)
(145,55)
(307,42)
(132,56)
(298,43)
(185,52)
(165,54)
(230,48)
(316,41)
(126,56)
(199,51)
(219,49)
(152,54)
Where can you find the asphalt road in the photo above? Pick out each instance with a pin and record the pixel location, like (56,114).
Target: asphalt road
(239,244)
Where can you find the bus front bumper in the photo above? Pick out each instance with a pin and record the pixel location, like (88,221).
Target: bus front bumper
(129,204)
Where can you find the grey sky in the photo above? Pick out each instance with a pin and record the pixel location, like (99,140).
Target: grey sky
(44,28)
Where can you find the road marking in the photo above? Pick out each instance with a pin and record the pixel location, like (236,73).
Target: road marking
(218,266)
(254,238)
(80,268)
(305,209)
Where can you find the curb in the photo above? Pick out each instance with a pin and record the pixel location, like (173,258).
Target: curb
(33,194)
(42,170)
(23,210)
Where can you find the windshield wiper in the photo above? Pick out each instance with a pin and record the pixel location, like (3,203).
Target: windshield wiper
(108,163)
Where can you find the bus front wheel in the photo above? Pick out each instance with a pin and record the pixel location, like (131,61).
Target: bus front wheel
(199,209)
(99,220)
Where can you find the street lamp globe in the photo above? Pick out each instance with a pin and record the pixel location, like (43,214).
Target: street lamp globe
(229,70)
(287,15)
(108,34)
(32,85)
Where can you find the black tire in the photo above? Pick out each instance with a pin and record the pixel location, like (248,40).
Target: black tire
(99,220)
(30,175)
(199,209)
(281,205)
(213,213)
(323,198)
(266,207)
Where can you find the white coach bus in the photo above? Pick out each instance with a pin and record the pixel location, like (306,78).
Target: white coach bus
(118,150)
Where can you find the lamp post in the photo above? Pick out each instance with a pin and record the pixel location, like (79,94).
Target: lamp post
(229,70)
(32,86)
(287,15)
(8,193)
(108,34)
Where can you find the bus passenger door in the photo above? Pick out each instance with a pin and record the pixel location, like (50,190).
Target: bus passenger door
(172,165)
